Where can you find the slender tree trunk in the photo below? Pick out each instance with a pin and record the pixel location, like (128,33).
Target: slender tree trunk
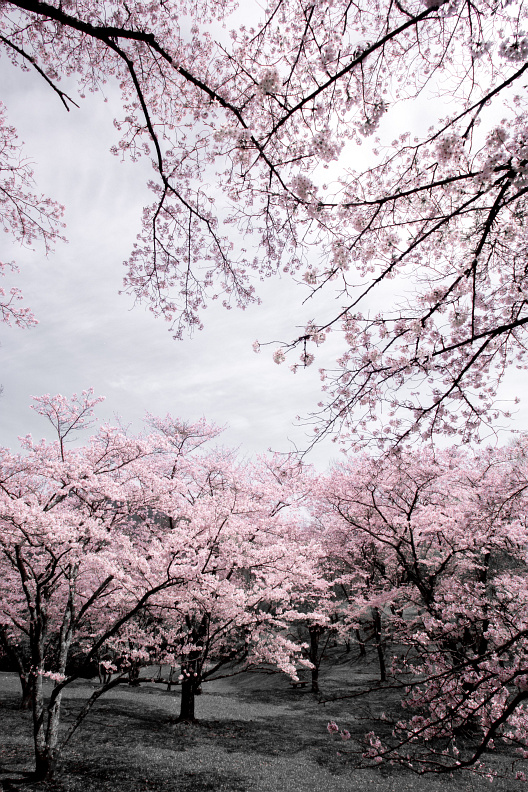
(192,669)
(46,720)
(315,632)
(170,681)
(46,723)
(483,643)
(133,675)
(379,645)
(315,679)
(27,693)
(46,742)
(42,764)
(37,637)
(361,643)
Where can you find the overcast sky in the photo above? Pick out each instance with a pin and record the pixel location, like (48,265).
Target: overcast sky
(88,335)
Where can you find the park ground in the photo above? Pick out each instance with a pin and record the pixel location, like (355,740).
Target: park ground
(255,734)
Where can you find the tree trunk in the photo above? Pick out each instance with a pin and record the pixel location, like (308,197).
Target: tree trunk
(46,720)
(170,680)
(45,764)
(192,669)
(45,735)
(315,679)
(315,632)
(379,645)
(22,667)
(188,693)
(39,737)
(133,675)
(27,692)
(361,643)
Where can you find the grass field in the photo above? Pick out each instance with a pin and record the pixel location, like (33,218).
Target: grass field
(255,734)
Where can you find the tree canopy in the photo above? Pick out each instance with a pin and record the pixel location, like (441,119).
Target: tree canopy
(254,135)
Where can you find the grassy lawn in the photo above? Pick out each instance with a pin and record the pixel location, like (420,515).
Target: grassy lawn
(255,734)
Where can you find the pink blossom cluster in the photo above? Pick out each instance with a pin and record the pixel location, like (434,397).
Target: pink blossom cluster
(150,548)
(429,549)
(257,118)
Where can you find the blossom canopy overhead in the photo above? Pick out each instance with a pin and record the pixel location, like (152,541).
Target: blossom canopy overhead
(253,135)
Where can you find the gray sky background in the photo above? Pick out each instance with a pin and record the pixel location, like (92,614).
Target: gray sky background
(88,335)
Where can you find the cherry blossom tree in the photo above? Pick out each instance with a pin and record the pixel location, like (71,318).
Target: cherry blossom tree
(447,535)
(71,569)
(255,135)
(142,547)
(249,574)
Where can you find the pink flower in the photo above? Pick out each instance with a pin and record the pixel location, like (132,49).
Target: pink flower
(332,727)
